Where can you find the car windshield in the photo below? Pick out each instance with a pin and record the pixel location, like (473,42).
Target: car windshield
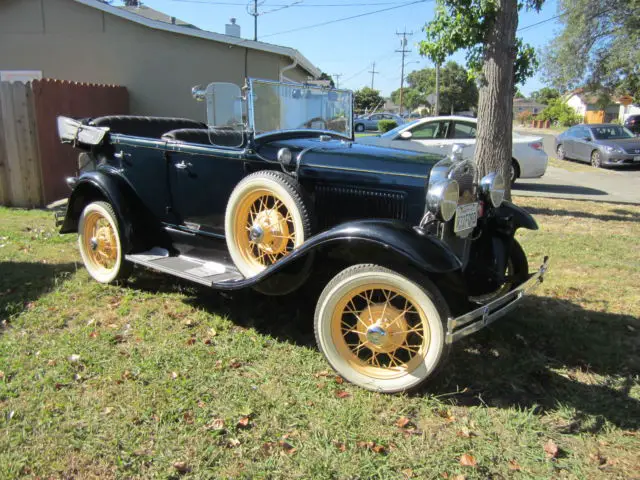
(275,106)
(611,132)
(395,131)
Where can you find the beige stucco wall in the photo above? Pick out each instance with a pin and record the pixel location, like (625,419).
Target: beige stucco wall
(71,41)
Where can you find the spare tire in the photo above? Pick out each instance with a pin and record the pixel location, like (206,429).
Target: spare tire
(266,219)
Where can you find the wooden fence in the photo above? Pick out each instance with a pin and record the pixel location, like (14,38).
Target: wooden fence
(33,162)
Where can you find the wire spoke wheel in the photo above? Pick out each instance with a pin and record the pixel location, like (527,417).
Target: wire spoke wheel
(381,330)
(100,245)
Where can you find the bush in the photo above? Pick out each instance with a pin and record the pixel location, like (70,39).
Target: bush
(559,112)
(386,125)
(525,117)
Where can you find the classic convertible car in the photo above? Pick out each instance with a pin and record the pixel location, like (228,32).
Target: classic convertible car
(272,190)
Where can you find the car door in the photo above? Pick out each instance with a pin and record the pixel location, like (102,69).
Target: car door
(372,123)
(202,178)
(425,137)
(568,139)
(582,144)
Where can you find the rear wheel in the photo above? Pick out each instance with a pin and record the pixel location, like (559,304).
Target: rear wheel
(100,243)
(596,159)
(514,173)
(381,330)
(359,127)
(561,153)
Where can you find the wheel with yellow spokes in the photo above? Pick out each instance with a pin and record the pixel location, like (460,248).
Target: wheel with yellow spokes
(100,243)
(266,219)
(379,329)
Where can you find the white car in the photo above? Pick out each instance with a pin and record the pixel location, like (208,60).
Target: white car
(439,134)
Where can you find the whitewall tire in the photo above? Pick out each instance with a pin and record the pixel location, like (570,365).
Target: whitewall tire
(100,243)
(265,220)
(380,330)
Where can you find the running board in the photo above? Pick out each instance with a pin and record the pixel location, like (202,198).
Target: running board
(193,269)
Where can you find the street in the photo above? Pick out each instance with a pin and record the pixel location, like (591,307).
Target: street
(578,180)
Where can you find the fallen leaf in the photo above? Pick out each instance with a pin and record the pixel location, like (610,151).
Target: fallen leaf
(74,358)
(235,364)
(339,380)
(598,458)
(107,410)
(446,414)
(323,373)
(381,449)
(513,465)
(551,449)
(191,341)
(212,332)
(188,417)
(408,473)
(287,447)
(459,477)
(342,394)
(467,460)
(465,433)
(126,375)
(174,375)
(93,334)
(244,422)
(216,424)
(340,445)
(403,422)
(444,475)
(51,363)
(233,443)
(181,467)
(1,375)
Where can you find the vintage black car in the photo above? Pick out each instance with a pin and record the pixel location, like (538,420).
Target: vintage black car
(272,190)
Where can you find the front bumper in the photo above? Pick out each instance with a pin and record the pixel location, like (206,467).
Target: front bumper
(613,159)
(479,318)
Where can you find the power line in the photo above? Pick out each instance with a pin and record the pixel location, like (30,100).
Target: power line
(344,19)
(555,17)
(297,4)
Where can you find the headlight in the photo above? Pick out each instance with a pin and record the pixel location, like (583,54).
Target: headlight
(610,149)
(442,199)
(493,187)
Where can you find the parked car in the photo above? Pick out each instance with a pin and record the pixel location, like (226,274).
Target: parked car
(418,254)
(370,122)
(632,122)
(603,145)
(407,117)
(439,134)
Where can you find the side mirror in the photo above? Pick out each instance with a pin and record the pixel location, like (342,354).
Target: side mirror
(198,92)
(406,135)
(587,139)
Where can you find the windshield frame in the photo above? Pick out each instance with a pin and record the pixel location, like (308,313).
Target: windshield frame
(251,111)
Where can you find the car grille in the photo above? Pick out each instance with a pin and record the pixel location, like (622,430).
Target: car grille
(336,204)
(633,150)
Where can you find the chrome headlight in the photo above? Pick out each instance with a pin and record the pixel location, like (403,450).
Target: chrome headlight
(442,199)
(492,187)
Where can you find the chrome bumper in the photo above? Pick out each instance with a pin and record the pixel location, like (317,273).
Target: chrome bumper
(479,318)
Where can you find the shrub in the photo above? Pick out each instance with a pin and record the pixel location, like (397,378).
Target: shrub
(558,111)
(525,117)
(386,125)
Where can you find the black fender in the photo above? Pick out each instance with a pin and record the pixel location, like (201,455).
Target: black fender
(518,215)
(409,246)
(99,185)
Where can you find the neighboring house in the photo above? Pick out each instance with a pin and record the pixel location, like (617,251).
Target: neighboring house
(626,110)
(588,105)
(156,57)
(526,104)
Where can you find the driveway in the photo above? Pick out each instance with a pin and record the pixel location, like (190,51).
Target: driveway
(578,180)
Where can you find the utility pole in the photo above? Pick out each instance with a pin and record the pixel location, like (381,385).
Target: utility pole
(403,50)
(337,77)
(252,9)
(373,72)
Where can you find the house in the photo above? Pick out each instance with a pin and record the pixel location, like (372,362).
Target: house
(156,57)
(593,107)
(526,104)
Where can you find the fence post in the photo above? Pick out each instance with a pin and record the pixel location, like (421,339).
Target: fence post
(4,181)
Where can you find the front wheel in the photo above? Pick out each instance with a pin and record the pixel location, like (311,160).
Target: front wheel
(514,172)
(359,128)
(596,159)
(100,243)
(562,155)
(380,330)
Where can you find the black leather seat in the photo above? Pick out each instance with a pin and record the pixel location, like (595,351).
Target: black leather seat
(150,127)
(219,137)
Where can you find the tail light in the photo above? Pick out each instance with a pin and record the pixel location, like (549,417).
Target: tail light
(537,146)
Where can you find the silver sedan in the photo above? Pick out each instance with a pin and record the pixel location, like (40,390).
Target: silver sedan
(602,145)
(370,122)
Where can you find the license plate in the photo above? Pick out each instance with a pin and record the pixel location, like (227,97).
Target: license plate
(466,217)
(636,158)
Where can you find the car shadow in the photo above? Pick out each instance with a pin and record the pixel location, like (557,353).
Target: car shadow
(24,282)
(622,214)
(552,188)
(548,354)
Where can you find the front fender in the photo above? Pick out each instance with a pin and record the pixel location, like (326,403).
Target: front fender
(520,217)
(426,253)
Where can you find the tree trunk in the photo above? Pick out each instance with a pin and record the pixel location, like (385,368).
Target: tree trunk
(495,105)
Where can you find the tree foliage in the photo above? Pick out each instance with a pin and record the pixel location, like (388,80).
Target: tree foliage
(545,95)
(458,91)
(326,76)
(559,112)
(599,45)
(367,99)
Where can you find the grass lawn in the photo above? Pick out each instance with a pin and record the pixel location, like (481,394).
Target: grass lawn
(161,379)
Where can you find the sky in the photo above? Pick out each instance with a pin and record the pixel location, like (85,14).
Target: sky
(347,47)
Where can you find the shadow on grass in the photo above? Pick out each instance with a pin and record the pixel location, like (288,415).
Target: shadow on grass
(549,353)
(25,282)
(551,188)
(622,215)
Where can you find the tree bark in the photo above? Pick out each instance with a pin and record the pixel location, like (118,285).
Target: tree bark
(495,103)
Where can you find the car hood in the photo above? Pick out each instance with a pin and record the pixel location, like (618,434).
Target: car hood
(628,144)
(356,156)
